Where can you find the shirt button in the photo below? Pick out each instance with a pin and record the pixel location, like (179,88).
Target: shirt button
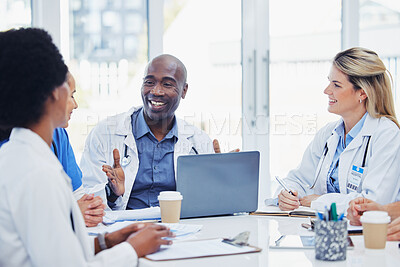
(158,145)
(155,167)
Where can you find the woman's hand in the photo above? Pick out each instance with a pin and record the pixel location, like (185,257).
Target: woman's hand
(306,201)
(288,201)
(358,206)
(394,230)
(92,209)
(122,235)
(149,239)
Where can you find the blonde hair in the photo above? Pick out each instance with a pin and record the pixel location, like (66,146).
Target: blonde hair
(365,70)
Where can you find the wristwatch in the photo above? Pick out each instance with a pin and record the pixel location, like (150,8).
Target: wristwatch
(111,196)
(102,241)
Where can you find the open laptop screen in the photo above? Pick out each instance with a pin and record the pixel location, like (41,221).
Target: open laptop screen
(218,184)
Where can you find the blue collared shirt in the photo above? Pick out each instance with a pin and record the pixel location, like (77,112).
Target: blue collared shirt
(333,178)
(156,163)
(65,155)
(3,142)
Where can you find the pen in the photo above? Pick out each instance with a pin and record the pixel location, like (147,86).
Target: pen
(282,183)
(326,214)
(307,226)
(333,212)
(278,241)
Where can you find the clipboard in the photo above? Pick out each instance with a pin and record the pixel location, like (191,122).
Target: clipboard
(199,249)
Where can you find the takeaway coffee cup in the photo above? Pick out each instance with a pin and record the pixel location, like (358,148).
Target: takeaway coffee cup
(375,225)
(170,205)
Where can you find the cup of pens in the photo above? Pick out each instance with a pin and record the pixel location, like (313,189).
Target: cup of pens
(330,235)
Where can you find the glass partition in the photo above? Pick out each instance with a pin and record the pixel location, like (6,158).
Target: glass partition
(380,31)
(108,48)
(15,14)
(303,42)
(211,50)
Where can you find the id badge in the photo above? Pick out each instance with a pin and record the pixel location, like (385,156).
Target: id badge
(356,175)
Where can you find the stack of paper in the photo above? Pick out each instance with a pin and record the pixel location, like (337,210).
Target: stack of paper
(101,228)
(152,213)
(181,231)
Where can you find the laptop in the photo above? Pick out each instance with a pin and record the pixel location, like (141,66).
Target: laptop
(218,184)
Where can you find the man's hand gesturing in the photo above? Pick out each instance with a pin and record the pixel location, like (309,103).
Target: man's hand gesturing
(116,175)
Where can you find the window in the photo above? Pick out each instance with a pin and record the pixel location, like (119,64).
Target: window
(380,20)
(15,14)
(108,48)
(210,48)
(303,42)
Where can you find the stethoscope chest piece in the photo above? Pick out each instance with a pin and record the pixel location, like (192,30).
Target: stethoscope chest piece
(125,161)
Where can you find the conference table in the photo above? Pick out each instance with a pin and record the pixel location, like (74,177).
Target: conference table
(262,228)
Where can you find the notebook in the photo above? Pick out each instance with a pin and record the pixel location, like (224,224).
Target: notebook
(276,211)
(218,184)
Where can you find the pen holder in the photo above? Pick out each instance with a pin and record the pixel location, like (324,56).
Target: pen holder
(330,240)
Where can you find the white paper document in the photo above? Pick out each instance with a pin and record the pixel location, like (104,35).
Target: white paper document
(181,231)
(101,228)
(152,213)
(197,249)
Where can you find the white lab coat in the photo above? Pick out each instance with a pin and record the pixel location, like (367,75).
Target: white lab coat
(381,178)
(36,207)
(116,132)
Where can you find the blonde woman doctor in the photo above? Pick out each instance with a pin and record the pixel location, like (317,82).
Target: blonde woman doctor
(359,155)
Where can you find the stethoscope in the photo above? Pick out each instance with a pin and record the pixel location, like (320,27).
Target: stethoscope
(126,160)
(325,151)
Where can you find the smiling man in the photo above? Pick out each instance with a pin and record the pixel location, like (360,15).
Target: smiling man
(149,140)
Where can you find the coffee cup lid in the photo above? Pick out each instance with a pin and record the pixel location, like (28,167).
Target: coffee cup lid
(170,195)
(375,217)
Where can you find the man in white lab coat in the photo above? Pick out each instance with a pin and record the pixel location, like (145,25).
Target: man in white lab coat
(149,139)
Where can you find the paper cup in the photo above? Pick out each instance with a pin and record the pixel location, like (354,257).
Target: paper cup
(170,205)
(375,225)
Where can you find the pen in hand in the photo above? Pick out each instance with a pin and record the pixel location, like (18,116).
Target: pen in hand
(282,183)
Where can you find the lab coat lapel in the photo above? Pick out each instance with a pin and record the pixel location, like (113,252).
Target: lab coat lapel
(368,128)
(124,130)
(348,158)
(353,154)
(332,144)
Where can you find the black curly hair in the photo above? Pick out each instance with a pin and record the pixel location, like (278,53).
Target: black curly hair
(31,67)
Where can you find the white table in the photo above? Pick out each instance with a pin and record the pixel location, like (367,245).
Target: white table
(259,227)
